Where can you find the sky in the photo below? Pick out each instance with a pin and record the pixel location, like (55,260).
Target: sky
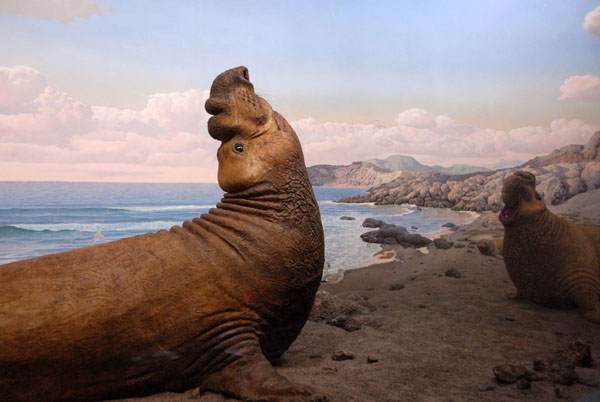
(112,90)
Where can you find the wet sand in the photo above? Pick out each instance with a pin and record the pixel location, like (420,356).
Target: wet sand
(436,324)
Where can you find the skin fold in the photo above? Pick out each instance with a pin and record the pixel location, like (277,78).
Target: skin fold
(550,260)
(207,304)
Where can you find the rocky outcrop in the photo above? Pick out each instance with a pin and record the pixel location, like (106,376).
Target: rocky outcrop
(556,182)
(358,174)
(392,234)
(570,154)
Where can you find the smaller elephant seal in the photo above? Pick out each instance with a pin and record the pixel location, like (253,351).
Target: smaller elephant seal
(207,304)
(551,261)
(490,247)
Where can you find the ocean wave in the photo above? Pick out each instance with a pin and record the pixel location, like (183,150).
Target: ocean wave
(156,208)
(163,208)
(93,227)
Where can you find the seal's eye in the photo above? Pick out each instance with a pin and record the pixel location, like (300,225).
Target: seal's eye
(237,147)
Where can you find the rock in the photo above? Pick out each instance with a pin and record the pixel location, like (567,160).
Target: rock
(341,355)
(347,323)
(347,218)
(563,375)
(453,273)
(509,373)
(459,245)
(450,225)
(396,286)
(442,243)
(486,388)
(523,383)
(393,234)
(573,354)
(372,359)
(373,223)
(349,314)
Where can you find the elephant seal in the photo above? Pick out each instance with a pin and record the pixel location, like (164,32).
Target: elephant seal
(551,261)
(204,305)
(490,247)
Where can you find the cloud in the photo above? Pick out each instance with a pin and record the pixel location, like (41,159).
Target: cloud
(65,11)
(44,130)
(592,22)
(48,135)
(447,143)
(19,86)
(418,118)
(581,88)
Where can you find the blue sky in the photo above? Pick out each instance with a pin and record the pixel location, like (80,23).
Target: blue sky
(491,64)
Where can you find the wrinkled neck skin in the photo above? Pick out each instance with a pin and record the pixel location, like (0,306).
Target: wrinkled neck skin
(519,220)
(265,243)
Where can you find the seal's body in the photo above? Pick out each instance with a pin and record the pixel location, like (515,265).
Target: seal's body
(551,261)
(198,305)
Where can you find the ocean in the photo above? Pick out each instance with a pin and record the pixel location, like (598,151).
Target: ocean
(38,218)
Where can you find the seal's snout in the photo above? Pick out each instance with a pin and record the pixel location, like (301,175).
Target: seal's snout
(214,106)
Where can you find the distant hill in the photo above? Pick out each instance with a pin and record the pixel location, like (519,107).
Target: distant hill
(460,169)
(504,164)
(409,164)
(401,162)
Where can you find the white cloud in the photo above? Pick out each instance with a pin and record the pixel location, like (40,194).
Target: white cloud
(47,135)
(592,22)
(581,87)
(166,141)
(64,11)
(416,117)
(446,144)
(19,86)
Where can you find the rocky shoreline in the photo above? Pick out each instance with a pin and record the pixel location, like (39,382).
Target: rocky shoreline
(561,175)
(481,192)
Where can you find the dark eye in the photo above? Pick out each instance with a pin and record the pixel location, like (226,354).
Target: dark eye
(238,147)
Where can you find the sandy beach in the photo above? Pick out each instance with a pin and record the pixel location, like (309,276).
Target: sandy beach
(432,327)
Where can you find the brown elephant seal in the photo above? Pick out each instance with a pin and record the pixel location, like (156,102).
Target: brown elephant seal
(551,261)
(204,305)
(490,247)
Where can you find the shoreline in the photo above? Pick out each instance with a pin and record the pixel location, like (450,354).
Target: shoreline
(389,253)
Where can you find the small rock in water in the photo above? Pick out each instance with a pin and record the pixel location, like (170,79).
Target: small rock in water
(347,218)
(340,355)
(373,223)
(449,225)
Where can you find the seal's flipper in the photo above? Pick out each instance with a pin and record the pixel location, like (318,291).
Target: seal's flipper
(589,305)
(252,378)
